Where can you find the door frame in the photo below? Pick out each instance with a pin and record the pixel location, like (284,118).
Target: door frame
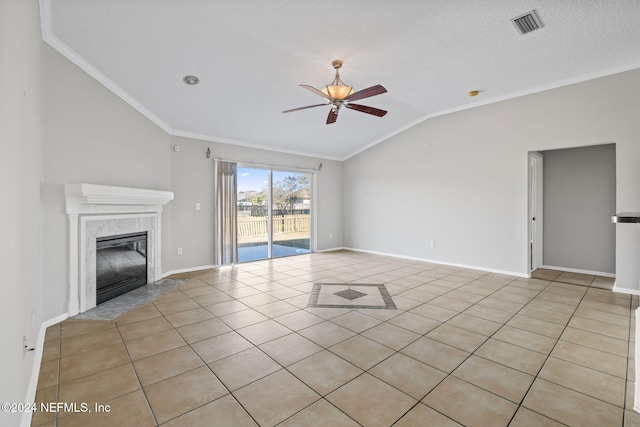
(535,219)
(313,187)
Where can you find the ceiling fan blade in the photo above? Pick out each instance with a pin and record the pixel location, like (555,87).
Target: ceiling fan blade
(365,109)
(317,91)
(332,117)
(366,93)
(304,108)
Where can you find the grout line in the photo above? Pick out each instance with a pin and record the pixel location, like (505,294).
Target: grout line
(626,375)
(450,374)
(549,356)
(504,324)
(377,275)
(197,355)
(144,393)
(536,376)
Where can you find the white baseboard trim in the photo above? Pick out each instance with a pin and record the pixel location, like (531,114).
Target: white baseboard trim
(579,271)
(188,270)
(207,267)
(620,290)
(341,248)
(636,394)
(25,420)
(440,262)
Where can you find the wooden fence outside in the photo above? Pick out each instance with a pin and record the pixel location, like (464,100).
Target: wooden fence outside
(249,226)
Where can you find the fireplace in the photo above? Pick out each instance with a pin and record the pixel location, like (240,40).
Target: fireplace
(99,211)
(121,264)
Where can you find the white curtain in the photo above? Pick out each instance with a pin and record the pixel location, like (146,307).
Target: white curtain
(226,190)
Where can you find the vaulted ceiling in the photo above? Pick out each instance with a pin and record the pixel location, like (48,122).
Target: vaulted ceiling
(250,57)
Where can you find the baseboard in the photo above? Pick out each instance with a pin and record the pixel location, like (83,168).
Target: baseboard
(188,270)
(620,290)
(206,267)
(25,421)
(577,270)
(341,248)
(439,262)
(636,395)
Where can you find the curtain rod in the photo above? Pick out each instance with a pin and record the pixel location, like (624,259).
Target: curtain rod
(271,166)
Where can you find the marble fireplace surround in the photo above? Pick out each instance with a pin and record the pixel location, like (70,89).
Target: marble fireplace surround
(101,210)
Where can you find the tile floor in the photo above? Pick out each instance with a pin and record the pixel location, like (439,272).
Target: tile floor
(239,347)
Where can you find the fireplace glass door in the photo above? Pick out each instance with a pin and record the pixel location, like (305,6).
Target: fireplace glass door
(121,264)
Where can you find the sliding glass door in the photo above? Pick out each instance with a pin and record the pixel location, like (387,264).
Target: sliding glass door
(273,213)
(253,214)
(291,213)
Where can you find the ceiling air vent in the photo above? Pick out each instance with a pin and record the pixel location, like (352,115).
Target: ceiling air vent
(527,22)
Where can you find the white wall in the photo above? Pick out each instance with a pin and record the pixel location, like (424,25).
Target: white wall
(579,200)
(91,136)
(461,179)
(192,230)
(20,174)
(192,182)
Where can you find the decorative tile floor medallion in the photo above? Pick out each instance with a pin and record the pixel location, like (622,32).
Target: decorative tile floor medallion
(348,295)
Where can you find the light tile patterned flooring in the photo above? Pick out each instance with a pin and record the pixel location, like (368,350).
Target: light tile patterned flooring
(239,347)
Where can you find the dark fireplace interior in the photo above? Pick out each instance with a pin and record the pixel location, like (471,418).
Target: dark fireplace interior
(121,265)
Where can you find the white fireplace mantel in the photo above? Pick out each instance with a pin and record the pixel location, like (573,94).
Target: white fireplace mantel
(92,198)
(102,210)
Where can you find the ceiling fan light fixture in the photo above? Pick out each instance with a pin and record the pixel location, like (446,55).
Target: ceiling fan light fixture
(337,89)
(337,95)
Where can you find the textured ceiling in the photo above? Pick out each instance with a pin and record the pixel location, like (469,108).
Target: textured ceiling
(251,55)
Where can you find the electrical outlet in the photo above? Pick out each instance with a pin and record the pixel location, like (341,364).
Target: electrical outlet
(432,244)
(179,251)
(197,206)
(330,236)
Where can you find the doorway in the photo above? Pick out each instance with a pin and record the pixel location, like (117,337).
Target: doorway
(575,188)
(273,213)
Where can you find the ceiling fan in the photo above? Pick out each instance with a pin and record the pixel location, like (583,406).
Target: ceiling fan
(339,95)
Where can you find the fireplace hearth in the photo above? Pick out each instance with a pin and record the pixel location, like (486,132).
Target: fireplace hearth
(121,264)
